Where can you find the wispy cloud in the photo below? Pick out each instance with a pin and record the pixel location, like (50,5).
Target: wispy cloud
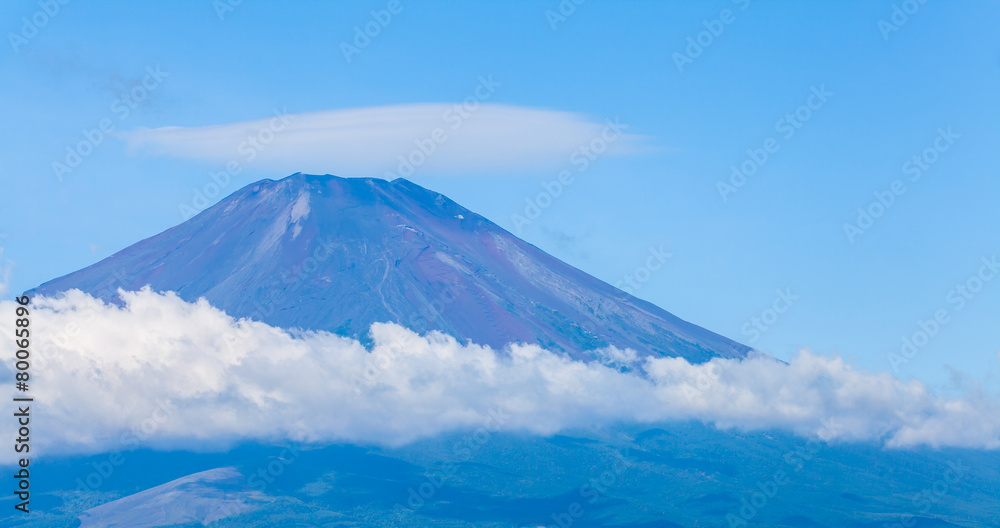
(445,138)
(102,370)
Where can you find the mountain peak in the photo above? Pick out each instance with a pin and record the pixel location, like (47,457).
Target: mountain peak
(338,254)
(362,190)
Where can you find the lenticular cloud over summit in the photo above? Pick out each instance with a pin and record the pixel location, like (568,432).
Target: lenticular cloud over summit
(472,136)
(165,372)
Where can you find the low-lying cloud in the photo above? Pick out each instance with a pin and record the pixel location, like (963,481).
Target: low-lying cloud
(164,372)
(469,138)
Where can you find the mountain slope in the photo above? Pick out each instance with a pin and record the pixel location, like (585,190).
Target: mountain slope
(680,474)
(199,498)
(338,254)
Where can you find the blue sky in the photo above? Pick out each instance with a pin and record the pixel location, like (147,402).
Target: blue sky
(933,81)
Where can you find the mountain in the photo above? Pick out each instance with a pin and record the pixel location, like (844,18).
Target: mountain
(338,254)
(679,475)
(202,498)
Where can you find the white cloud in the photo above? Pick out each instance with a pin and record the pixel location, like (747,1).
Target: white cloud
(164,372)
(491,138)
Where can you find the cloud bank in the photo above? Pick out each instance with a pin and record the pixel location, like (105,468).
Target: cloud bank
(163,372)
(471,137)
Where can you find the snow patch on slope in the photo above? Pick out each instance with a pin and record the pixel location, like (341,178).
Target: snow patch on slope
(452,262)
(300,209)
(291,218)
